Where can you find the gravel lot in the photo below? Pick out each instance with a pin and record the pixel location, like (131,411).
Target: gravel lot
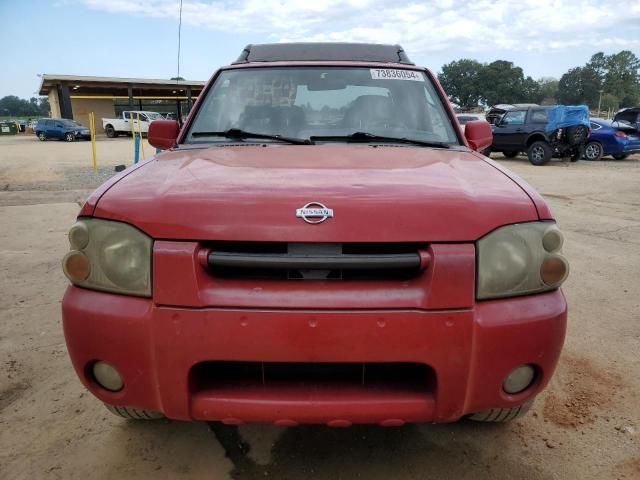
(585,426)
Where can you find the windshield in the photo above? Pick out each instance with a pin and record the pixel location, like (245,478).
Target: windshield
(69,123)
(153,115)
(302,102)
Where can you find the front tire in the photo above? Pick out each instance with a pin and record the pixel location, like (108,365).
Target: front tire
(501,415)
(69,137)
(131,413)
(539,153)
(593,151)
(620,156)
(42,136)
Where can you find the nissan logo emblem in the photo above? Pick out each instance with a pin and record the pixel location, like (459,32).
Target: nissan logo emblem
(314,212)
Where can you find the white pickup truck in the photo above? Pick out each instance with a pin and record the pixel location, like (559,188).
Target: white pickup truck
(116,126)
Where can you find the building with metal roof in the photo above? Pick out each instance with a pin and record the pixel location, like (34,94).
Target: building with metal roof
(75,96)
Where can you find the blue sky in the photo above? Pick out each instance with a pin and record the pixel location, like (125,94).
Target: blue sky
(138,38)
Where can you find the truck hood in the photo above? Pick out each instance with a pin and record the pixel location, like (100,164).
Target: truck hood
(377,193)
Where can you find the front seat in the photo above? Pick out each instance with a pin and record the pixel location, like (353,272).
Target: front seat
(371,112)
(272,120)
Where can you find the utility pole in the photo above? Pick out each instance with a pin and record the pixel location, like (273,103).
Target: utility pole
(599,102)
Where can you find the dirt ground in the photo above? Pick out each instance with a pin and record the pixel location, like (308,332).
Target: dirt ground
(584,426)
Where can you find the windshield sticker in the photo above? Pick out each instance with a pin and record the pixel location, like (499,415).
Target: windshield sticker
(396,74)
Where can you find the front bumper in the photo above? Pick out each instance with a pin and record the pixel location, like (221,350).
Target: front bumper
(469,350)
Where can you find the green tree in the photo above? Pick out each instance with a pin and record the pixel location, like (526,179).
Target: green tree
(460,79)
(19,107)
(502,82)
(609,102)
(43,106)
(622,77)
(618,76)
(599,64)
(580,85)
(548,90)
(531,91)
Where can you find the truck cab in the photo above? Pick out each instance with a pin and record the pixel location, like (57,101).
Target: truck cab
(129,121)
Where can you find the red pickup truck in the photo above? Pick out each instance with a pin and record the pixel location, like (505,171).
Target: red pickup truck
(318,243)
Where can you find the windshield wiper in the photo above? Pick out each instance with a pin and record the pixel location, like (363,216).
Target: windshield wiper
(372,137)
(239,134)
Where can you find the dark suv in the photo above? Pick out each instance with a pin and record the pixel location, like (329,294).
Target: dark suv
(542,132)
(61,129)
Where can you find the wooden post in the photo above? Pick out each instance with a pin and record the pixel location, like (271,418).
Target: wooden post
(92,129)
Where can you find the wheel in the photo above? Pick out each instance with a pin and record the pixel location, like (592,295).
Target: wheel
(69,137)
(577,134)
(134,413)
(539,153)
(111,132)
(511,153)
(620,156)
(486,152)
(593,151)
(498,415)
(42,136)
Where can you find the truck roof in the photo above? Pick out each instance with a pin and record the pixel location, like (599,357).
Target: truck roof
(283,52)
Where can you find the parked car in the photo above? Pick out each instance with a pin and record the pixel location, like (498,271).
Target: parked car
(318,243)
(611,138)
(32,124)
(629,116)
(9,127)
(542,132)
(496,112)
(122,125)
(61,129)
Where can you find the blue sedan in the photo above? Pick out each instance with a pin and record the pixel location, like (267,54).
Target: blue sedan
(611,138)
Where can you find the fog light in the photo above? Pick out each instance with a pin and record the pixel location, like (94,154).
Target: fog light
(107,376)
(76,266)
(519,379)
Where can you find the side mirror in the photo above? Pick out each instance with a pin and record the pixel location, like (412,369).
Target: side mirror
(163,133)
(478,134)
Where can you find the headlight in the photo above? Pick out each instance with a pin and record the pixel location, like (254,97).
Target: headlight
(521,259)
(111,256)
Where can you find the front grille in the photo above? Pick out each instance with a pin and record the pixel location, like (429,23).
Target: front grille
(314,261)
(221,375)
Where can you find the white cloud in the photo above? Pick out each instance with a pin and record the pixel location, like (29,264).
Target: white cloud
(421,27)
